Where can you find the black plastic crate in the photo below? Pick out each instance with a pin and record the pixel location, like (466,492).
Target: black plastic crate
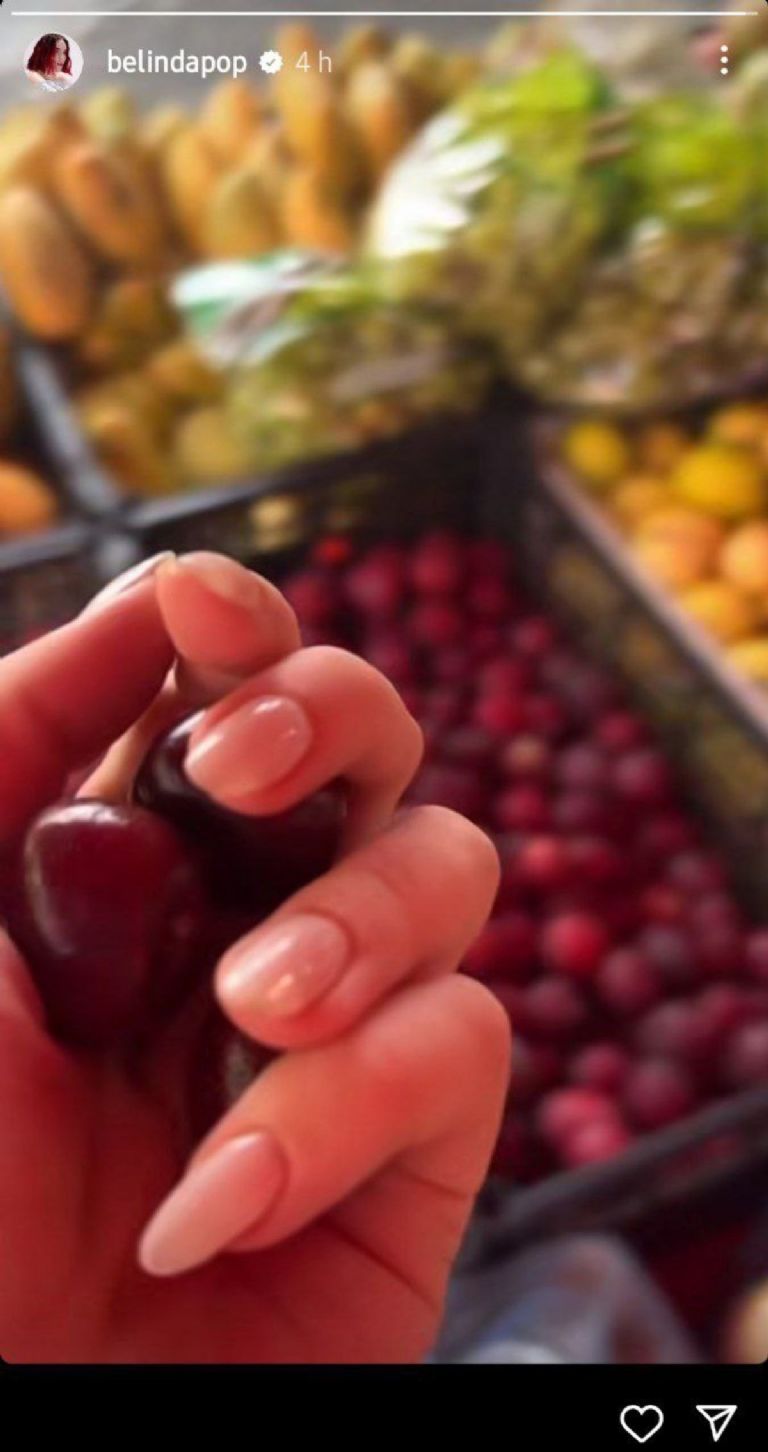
(398,487)
(46,577)
(87,486)
(483,475)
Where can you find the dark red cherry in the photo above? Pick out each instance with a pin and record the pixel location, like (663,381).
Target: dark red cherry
(251,863)
(109,910)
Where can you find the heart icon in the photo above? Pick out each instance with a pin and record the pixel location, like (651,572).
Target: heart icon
(642,1423)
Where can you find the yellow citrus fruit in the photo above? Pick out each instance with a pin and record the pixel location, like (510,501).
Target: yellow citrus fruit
(751,657)
(688,527)
(27,503)
(744,557)
(637,496)
(678,546)
(721,479)
(722,609)
(660,445)
(597,451)
(739,423)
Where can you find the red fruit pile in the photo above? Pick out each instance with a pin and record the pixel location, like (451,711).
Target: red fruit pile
(636,989)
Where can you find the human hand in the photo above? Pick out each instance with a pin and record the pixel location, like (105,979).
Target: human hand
(319,1219)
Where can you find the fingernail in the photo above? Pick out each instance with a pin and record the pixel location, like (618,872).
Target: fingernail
(127,580)
(223,577)
(251,749)
(285,970)
(215,1203)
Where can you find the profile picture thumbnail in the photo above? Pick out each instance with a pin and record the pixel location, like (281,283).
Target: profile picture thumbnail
(54,62)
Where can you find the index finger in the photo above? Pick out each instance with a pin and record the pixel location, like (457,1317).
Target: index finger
(66,697)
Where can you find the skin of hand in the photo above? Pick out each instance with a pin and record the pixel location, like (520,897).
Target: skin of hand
(319,1220)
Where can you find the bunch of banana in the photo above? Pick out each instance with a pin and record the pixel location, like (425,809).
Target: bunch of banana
(78,212)
(44,269)
(113,192)
(132,317)
(161,426)
(101,204)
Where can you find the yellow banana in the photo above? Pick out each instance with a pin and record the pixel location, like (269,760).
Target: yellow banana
(159,126)
(317,131)
(268,159)
(361,43)
(101,350)
(296,40)
(109,200)
(240,221)
(129,450)
(134,317)
(230,117)
(419,67)
(109,114)
(43,266)
(206,450)
(139,306)
(180,374)
(24,150)
(379,107)
(132,389)
(312,217)
(190,169)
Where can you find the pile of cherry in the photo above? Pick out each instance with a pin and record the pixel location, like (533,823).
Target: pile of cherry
(636,989)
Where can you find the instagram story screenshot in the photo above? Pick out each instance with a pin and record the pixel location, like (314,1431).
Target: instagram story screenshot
(384,698)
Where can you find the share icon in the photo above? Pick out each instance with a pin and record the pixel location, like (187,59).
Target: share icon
(719,1418)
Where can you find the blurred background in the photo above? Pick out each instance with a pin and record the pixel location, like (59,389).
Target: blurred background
(458,328)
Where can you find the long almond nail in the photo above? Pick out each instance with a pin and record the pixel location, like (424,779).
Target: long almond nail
(225,578)
(216,1202)
(286,969)
(127,580)
(253,748)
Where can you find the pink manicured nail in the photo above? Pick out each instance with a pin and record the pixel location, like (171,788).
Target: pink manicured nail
(223,577)
(127,580)
(251,749)
(215,1203)
(284,970)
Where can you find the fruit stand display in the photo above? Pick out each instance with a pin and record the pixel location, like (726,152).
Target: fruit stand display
(619,943)
(679,612)
(615,752)
(693,503)
(101,207)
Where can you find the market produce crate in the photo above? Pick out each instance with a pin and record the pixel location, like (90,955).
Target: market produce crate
(476,477)
(47,576)
(665,1187)
(712,719)
(482,475)
(395,487)
(369,489)
(87,487)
